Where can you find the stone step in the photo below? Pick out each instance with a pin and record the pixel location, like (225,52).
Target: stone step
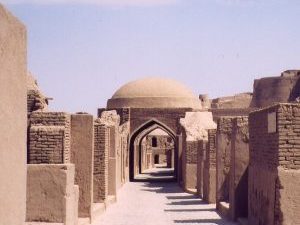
(223,209)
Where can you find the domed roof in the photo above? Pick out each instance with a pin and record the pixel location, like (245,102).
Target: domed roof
(154,92)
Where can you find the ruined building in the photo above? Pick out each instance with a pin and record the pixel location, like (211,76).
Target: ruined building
(241,153)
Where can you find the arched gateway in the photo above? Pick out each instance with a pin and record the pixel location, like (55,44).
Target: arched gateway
(149,104)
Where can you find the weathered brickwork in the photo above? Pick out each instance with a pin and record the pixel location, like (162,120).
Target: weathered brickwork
(192,151)
(169,117)
(36,101)
(224,132)
(49,138)
(274,156)
(210,161)
(209,176)
(288,117)
(101,137)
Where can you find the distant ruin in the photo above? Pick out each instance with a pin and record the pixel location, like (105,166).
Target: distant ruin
(240,152)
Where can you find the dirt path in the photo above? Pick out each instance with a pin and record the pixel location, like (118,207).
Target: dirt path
(144,203)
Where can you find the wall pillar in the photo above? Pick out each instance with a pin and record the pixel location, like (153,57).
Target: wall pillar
(13,119)
(238,194)
(209,177)
(200,167)
(82,155)
(112,162)
(100,177)
(224,131)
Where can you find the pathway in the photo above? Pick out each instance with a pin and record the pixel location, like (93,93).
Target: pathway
(160,203)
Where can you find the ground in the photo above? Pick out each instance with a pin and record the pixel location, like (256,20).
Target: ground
(159,203)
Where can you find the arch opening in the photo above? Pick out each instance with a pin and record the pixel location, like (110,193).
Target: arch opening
(153,162)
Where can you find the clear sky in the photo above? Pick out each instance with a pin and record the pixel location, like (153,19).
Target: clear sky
(81,51)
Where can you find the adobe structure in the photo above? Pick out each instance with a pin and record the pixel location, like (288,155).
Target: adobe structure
(240,152)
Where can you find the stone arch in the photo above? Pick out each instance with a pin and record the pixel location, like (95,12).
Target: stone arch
(137,137)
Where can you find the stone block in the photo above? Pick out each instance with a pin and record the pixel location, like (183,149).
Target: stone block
(51,194)
(82,156)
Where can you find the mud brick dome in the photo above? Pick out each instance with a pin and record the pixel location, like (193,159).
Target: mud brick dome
(154,93)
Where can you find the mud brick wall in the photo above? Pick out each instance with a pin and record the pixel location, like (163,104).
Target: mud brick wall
(274,165)
(82,156)
(49,138)
(238,193)
(13,117)
(230,112)
(52,196)
(101,149)
(192,148)
(224,132)
(209,177)
(169,117)
(112,161)
(35,101)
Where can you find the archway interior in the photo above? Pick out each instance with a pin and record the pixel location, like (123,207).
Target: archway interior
(156,152)
(153,153)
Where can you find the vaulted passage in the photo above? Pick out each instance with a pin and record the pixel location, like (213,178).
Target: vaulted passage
(159,203)
(153,151)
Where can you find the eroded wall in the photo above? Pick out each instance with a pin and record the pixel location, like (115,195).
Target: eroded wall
(82,156)
(223,157)
(209,173)
(51,194)
(13,119)
(270,90)
(49,138)
(100,176)
(238,193)
(274,165)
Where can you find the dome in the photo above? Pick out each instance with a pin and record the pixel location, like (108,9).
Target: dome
(154,92)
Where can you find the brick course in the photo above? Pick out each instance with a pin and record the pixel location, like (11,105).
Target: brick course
(274,156)
(49,138)
(101,137)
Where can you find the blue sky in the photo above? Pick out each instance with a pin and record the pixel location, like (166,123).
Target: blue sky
(82,51)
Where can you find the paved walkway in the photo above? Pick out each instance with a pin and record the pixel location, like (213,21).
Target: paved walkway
(144,203)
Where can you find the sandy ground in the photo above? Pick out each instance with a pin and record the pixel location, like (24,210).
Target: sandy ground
(160,203)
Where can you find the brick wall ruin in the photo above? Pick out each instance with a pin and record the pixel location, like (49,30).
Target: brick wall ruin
(223,157)
(274,165)
(49,138)
(238,176)
(36,101)
(82,156)
(101,162)
(209,174)
(271,90)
